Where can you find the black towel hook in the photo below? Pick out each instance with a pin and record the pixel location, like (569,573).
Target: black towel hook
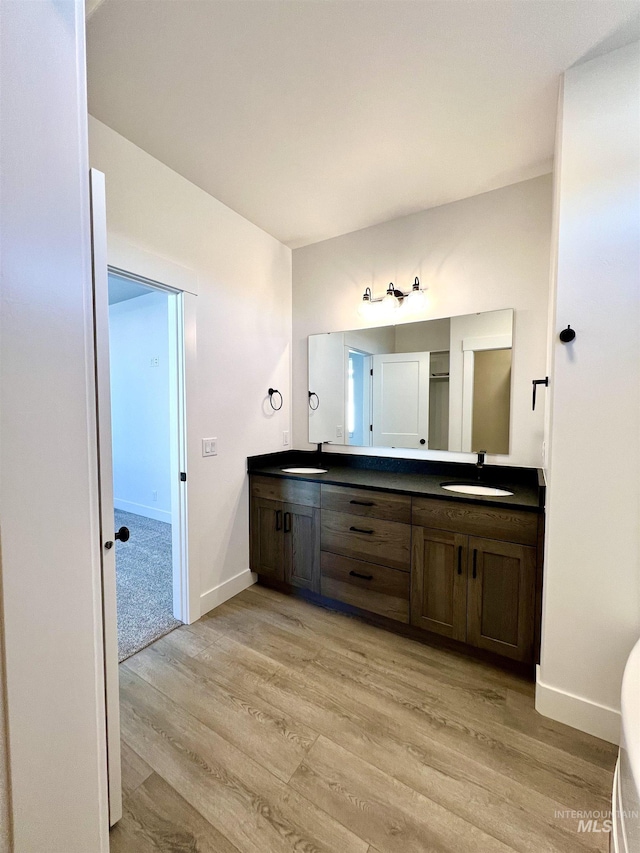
(273,391)
(567,335)
(537,382)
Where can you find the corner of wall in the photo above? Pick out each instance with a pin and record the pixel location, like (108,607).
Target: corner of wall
(577,712)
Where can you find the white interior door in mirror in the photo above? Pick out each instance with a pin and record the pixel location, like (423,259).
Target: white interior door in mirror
(401,400)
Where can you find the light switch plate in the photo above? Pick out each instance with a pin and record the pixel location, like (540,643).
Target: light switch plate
(209,446)
(339,432)
(285,437)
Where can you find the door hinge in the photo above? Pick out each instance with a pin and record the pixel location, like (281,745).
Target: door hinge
(183,476)
(370,427)
(371,372)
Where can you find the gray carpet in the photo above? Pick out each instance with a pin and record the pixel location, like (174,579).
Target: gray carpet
(144,583)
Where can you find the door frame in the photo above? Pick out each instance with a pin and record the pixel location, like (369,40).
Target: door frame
(178,441)
(469,347)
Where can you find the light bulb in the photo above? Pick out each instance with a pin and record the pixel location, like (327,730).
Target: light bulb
(368,310)
(416,301)
(390,301)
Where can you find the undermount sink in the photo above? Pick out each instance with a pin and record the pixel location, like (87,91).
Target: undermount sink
(476,489)
(305,470)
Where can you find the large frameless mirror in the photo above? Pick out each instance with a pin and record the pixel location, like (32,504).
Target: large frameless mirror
(436,384)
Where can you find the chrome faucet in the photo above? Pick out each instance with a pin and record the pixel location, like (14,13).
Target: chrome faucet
(480,462)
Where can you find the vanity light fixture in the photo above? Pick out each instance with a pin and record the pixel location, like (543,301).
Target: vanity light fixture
(413,301)
(369,307)
(416,299)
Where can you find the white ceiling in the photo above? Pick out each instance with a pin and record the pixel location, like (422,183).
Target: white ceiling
(313,119)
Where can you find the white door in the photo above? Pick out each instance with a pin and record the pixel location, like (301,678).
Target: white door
(401,400)
(107,531)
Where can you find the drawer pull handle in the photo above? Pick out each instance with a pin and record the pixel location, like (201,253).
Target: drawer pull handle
(278,519)
(364,577)
(459,559)
(362,503)
(475,563)
(360,530)
(287,522)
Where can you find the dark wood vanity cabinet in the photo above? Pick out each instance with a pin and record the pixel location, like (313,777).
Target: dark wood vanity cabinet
(366,550)
(285,536)
(500,597)
(439,582)
(479,590)
(468,572)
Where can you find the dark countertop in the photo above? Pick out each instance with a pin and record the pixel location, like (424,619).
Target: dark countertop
(409,476)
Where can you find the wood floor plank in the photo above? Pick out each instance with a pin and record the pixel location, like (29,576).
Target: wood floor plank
(134,769)
(382,810)
(511,810)
(247,804)
(569,779)
(520,714)
(271,737)
(156,819)
(406,731)
(191,641)
(334,630)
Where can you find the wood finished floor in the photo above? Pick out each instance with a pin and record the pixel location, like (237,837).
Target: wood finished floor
(275,725)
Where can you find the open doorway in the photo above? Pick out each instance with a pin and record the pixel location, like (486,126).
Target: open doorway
(145,367)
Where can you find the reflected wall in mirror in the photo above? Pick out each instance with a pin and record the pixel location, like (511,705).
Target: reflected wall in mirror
(436,385)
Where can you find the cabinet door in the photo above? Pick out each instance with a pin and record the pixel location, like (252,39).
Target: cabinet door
(500,616)
(302,546)
(439,582)
(267,541)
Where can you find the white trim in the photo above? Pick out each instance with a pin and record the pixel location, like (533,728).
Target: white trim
(104,493)
(226,590)
(181,309)
(487,342)
(178,421)
(576,711)
(125,257)
(141,509)
(468,374)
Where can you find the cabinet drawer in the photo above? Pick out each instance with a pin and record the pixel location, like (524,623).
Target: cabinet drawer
(492,523)
(377,589)
(280,489)
(368,503)
(372,539)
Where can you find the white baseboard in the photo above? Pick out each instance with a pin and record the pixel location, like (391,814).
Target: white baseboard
(226,590)
(141,509)
(577,712)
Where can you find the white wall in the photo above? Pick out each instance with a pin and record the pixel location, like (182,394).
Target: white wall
(243,334)
(48,490)
(592,575)
(140,423)
(429,336)
(480,254)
